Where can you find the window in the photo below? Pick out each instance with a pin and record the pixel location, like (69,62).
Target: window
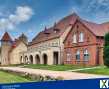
(74,38)
(81,37)
(86,55)
(68,57)
(78,55)
(88,39)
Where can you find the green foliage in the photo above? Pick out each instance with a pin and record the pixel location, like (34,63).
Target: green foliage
(106,50)
(106,39)
(54,67)
(100,71)
(6,77)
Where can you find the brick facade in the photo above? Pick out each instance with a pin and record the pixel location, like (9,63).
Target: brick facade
(91,43)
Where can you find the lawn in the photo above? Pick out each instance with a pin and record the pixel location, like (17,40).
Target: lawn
(11,78)
(102,71)
(54,67)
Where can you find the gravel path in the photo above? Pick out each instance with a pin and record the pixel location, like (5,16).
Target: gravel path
(67,75)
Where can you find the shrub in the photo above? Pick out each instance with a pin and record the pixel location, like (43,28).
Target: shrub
(106,50)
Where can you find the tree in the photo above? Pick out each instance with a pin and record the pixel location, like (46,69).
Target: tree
(106,50)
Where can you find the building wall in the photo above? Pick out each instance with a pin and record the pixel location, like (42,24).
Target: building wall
(49,47)
(5,48)
(91,43)
(62,38)
(15,53)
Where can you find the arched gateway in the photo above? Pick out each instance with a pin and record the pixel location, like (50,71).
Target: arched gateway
(45,59)
(31,59)
(37,59)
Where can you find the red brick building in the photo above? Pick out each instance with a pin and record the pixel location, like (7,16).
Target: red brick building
(84,43)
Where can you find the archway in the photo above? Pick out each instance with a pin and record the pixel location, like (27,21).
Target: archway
(26,60)
(37,59)
(31,59)
(21,59)
(56,57)
(45,59)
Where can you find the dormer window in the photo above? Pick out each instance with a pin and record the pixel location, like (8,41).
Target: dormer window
(81,37)
(74,38)
(56,30)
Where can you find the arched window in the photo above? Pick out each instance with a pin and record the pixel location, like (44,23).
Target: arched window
(86,55)
(78,55)
(74,38)
(81,37)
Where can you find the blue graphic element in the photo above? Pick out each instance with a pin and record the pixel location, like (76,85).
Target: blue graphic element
(68,84)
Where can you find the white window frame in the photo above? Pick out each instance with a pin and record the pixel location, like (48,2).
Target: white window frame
(74,38)
(86,55)
(81,37)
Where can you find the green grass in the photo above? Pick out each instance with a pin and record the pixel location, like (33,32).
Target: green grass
(11,78)
(102,71)
(53,67)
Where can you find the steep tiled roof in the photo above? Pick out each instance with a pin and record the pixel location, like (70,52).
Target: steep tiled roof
(97,29)
(60,27)
(6,37)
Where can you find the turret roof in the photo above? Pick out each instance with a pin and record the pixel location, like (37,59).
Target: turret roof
(6,37)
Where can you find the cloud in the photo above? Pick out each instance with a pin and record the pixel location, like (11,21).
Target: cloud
(97,6)
(22,14)
(103,2)
(94,10)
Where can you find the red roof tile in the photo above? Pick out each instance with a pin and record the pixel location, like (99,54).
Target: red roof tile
(6,37)
(60,27)
(97,29)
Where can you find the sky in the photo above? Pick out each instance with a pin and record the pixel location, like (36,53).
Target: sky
(31,16)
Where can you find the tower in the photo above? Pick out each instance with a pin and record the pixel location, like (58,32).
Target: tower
(6,43)
(23,38)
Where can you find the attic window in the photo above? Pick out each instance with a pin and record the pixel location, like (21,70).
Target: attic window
(56,30)
(81,37)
